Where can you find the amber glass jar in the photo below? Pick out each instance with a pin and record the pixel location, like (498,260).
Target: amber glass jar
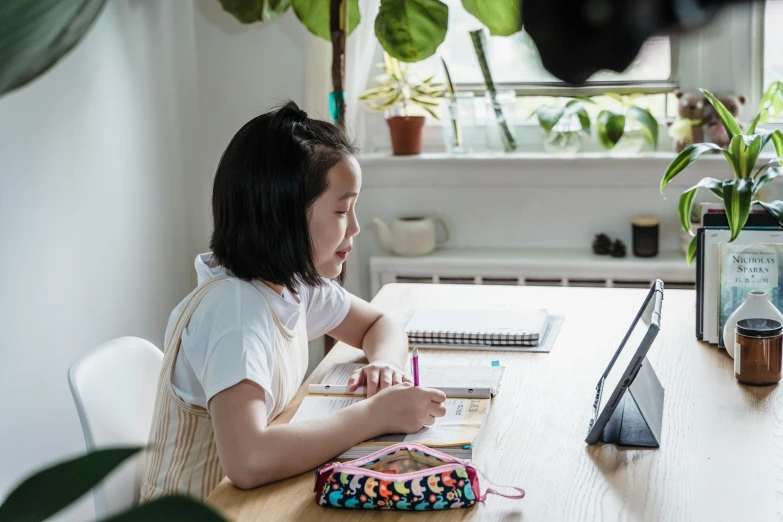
(758,353)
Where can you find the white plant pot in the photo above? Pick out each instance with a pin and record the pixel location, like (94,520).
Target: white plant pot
(756,306)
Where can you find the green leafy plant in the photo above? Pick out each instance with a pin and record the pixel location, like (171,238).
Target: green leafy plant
(742,154)
(396,86)
(49,491)
(549,115)
(610,124)
(480,46)
(35,34)
(457,128)
(771,104)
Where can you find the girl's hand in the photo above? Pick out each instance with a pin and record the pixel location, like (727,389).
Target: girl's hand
(377,375)
(405,408)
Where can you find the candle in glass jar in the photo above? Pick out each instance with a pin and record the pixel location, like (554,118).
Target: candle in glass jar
(758,352)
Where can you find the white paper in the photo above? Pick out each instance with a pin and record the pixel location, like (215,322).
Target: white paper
(445,430)
(454,381)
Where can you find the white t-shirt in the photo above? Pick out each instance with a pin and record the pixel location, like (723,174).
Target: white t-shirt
(230,336)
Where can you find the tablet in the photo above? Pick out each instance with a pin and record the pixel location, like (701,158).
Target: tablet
(626,362)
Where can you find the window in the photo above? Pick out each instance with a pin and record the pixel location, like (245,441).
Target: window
(515,63)
(773,41)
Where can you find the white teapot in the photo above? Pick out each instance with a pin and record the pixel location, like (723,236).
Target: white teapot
(411,235)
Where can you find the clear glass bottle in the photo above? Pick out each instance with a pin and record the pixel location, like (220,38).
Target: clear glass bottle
(500,121)
(458,117)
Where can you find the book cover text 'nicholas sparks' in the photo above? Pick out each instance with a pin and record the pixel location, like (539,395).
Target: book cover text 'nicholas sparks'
(744,268)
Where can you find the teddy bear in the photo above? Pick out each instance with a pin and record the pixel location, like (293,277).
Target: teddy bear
(687,128)
(716,132)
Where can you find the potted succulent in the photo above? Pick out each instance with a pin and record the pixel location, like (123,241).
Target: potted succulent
(404,98)
(564,124)
(742,191)
(626,129)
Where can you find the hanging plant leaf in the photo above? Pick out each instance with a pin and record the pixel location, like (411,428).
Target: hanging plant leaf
(35,34)
(314,14)
(48,491)
(411,30)
(502,17)
(610,128)
(251,11)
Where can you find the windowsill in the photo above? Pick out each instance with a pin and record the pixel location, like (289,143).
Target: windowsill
(534,169)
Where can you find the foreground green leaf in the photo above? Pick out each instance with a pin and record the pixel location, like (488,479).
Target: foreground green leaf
(35,34)
(686,200)
(648,122)
(173,508)
(411,30)
(692,251)
(775,208)
(737,198)
(766,178)
(685,158)
(731,125)
(610,127)
(314,15)
(51,490)
(502,17)
(549,116)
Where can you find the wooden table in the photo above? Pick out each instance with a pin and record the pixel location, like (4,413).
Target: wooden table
(721,454)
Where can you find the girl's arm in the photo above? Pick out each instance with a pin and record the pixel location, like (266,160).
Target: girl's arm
(252,453)
(383,340)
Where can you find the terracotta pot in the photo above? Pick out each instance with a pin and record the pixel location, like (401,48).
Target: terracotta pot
(406,134)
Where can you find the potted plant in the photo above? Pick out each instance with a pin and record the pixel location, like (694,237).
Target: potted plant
(625,129)
(564,124)
(739,193)
(404,98)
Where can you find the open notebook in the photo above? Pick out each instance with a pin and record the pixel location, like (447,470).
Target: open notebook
(462,382)
(452,434)
(478,328)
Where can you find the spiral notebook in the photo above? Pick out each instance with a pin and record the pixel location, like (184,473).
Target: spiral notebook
(477,327)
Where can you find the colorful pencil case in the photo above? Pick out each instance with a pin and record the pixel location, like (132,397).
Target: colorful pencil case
(402,476)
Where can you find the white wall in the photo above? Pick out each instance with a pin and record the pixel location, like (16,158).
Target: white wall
(243,71)
(92,219)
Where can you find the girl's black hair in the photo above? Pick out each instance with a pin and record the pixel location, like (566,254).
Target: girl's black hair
(273,169)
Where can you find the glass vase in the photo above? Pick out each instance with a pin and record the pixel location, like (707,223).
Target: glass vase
(459,122)
(500,121)
(565,137)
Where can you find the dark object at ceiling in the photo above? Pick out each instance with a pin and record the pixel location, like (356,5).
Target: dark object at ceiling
(577,38)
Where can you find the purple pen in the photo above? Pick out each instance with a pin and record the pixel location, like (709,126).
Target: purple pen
(415,366)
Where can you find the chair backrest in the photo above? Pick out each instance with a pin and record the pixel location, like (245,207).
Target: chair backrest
(114,390)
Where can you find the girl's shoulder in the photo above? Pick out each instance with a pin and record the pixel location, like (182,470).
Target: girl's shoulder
(234,303)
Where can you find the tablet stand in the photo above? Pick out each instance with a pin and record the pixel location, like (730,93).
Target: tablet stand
(637,419)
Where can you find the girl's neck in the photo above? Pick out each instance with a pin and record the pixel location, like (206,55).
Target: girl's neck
(277,288)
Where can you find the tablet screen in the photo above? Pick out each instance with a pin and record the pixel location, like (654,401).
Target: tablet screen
(626,351)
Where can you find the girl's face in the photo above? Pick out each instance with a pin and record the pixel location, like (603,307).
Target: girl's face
(332,217)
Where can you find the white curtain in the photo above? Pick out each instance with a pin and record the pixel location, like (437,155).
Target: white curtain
(360,62)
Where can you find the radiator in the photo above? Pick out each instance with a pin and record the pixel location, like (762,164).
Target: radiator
(532,267)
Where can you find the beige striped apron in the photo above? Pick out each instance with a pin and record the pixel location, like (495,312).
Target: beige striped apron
(182,457)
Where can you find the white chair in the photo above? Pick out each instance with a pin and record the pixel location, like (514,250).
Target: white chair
(114,390)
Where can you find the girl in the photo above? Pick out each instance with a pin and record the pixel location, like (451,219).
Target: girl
(283,205)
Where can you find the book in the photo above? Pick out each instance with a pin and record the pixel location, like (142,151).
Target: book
(461,382)
(713,214)
(711,275)
(453,434)
(476,327)
(743,268)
